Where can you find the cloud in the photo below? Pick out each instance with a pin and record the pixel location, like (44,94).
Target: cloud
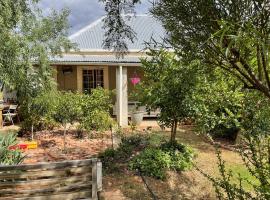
(83,12)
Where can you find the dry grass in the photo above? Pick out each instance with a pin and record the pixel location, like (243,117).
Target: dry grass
(190,185)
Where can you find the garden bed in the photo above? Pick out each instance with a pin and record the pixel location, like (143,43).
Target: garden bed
(121,183)
(50,146)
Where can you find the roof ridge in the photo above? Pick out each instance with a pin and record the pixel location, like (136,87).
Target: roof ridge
(86,28)
(98,21)
(136,15)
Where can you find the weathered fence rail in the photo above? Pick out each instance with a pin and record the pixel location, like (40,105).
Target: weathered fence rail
(78,179)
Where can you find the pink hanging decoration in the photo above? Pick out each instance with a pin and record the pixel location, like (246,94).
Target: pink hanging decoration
(135,79)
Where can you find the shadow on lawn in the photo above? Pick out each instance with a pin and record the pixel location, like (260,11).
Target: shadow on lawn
(187,136)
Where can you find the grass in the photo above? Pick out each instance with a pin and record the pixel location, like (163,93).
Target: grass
(186,185)
(242,171)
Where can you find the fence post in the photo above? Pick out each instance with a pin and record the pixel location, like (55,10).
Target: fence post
(99,176)
(94,179)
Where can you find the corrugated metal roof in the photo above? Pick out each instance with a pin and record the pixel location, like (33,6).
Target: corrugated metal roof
(146,27)
(95,59)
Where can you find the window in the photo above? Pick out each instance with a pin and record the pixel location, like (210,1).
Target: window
(92,79)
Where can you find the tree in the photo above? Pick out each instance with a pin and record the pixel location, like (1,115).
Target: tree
(167,85)
(115,23)
(217,104)
(67,110)
(96,110)
(38,112)
(232,35)
(28,41)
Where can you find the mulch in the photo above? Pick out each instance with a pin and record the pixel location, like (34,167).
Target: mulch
(51,146)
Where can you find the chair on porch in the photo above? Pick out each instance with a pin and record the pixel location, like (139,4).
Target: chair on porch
(10,114)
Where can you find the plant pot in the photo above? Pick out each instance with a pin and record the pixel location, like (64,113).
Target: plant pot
(137,117)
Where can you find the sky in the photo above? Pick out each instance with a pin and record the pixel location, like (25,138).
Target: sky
(84,12)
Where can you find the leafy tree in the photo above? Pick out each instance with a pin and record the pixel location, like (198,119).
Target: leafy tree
(167,84)
(28,37)
(118,32)
(37,114)
(232,35)
(96,110)
(217,104)
(67,110)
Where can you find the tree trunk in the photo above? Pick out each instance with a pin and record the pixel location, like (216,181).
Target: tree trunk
(173,131)
(112,136)
(65,130)
(32,132)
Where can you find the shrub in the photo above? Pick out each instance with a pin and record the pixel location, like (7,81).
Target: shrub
(109,158)
(181,155)
(155,161)
(7,156)
(128,146)
(37,112)
(152,162)
(220,131)
(96,110)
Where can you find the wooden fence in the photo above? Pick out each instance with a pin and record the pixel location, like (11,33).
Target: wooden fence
(78,179)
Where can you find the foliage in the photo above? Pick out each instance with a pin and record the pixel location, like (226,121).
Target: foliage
(27,36)
(155,161)
(232,35)
(256,162)
(67,109)
(39,111)
(116,25)
(254,150)
(7,156)
(128,146)
(96,110)
(167,85)
(109,158)
(152,162)
(181,155)
(256,113)
(217,104)
(52,107)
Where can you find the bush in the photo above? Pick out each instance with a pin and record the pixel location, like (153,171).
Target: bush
(7,156)
(109,158)
(152,162)
(50,108)
(96,110)
(38,111)
(221,131)
(181,155)
(128,146)
(156,161)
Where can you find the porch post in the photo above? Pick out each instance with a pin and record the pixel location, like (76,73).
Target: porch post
(121,96)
